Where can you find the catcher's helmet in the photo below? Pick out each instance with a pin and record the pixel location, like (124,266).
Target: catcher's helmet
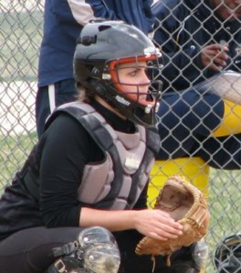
(101,48)
(227,258)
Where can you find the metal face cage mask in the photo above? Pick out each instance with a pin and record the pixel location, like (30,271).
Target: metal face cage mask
(136,105)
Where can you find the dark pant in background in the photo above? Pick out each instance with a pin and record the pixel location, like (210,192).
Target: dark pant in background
(48,97)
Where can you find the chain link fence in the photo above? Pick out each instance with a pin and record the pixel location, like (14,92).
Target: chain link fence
(20,37)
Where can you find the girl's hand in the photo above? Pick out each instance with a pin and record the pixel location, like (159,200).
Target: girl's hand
(157,224)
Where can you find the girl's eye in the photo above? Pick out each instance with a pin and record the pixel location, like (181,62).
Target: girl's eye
(134,72)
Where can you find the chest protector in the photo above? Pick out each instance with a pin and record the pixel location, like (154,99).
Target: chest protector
(117,181)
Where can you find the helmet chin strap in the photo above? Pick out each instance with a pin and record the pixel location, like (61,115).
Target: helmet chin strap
(106,104)
(107,97)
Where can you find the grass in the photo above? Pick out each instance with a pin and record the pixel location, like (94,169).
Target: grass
(14,151)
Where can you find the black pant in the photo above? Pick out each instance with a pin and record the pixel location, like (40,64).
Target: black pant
(30,250)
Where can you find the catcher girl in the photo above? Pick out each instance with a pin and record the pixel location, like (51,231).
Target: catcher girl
(79,202)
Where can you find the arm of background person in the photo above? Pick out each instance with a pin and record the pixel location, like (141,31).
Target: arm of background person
(148,12)
(82,11)
(135,12)
(102,9)
(185,119)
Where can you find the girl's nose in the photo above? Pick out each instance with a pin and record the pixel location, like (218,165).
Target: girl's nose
(145,78)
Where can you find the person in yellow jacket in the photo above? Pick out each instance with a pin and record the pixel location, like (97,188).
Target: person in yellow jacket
(199,40)
(199,128)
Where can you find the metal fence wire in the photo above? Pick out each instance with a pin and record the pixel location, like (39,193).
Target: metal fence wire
(20,38)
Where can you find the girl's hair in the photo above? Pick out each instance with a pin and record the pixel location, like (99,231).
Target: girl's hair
(84,95)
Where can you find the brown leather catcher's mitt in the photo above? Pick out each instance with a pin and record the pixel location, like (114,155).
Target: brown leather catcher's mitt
(186,204)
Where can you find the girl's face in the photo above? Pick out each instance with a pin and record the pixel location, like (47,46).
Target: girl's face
(133,81)
(228,9)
